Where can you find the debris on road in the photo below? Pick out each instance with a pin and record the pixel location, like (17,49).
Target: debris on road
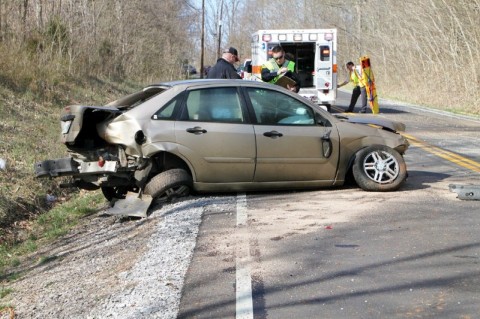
(468,192)
(133,205)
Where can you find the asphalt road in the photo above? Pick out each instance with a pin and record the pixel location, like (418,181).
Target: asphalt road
(346,253)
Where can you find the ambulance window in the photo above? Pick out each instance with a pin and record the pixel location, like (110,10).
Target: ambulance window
(324,53)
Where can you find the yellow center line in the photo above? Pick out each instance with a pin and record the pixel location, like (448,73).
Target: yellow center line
(449,156)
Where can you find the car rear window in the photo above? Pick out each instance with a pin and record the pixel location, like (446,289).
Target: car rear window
(131,101)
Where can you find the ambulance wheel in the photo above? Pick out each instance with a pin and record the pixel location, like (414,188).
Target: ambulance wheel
(379,168)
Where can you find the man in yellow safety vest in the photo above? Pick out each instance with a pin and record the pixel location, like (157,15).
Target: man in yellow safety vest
(358,90)
(279,66)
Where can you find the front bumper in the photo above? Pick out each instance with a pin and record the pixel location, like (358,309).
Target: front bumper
(402,148)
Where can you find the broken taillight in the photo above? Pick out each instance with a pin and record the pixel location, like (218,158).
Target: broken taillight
(101,161)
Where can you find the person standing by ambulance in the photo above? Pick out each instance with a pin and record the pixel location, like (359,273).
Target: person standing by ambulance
(278,66)
(358,90)
(224,68)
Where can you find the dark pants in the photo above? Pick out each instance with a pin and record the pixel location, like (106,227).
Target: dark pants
(358,91)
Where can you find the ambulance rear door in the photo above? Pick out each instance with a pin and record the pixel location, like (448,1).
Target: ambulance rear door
(325,75)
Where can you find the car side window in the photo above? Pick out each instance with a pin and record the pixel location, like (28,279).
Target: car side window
(214,105)
(275,108)
(167,111)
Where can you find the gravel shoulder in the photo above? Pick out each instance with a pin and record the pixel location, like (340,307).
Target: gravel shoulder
(111,267)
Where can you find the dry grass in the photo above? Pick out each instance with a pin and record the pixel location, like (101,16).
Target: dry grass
(32,96)
(445,100)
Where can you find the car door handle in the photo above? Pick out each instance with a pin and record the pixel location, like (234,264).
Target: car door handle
(197,130)
(273,134)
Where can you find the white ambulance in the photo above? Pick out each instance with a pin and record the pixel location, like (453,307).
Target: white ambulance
(314,53)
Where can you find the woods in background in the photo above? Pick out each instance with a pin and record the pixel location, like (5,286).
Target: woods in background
(422,51)
(113,38)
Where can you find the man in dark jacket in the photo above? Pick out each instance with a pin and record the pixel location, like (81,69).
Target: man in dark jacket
(224,68)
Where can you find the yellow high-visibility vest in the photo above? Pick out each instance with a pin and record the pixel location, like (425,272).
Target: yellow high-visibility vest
(273,67)
(356,79)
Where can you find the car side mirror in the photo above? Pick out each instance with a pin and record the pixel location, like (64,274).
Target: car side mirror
(248,69)
(321,120)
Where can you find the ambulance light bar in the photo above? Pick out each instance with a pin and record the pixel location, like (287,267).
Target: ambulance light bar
(266,37)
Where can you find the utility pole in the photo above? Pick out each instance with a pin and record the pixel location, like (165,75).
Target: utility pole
(202,54)
(219,54)
(358,7)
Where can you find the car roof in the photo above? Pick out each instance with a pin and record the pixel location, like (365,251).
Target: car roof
(213,82)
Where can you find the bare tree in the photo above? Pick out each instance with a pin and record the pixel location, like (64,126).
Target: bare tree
(408,42)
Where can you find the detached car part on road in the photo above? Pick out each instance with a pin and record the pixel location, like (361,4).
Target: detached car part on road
(223,135)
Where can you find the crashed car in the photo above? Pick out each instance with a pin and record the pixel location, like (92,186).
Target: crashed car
(223,135)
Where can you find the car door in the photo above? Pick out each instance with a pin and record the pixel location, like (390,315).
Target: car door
(215,137)
(291,145)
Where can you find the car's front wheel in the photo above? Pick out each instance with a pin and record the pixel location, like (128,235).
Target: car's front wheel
(379,168)
(169,184)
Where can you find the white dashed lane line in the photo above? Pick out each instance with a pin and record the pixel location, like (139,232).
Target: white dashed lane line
(243,287)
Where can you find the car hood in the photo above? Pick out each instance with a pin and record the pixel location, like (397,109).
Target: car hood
(375,120)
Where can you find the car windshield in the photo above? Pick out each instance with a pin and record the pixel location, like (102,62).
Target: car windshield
(134,99)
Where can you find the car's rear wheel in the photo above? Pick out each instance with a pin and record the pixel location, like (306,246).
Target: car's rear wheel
(379,168)
(117,192)
(169,184)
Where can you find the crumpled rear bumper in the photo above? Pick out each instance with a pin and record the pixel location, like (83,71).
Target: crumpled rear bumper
(68,166)
(56,167)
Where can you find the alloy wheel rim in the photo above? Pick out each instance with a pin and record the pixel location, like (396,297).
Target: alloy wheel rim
(381,167)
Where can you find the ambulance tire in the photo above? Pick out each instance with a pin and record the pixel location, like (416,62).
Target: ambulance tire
(379,168)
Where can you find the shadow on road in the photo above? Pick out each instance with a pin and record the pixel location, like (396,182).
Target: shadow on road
(422,179)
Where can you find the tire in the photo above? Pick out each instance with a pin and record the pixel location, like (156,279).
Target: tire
(379,168)
(117,192)
(169,184)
